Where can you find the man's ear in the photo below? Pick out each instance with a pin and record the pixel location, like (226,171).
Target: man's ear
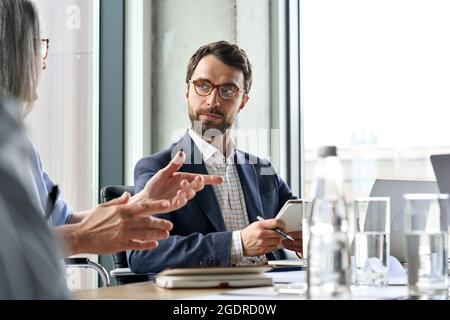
(244,101)
(186,94)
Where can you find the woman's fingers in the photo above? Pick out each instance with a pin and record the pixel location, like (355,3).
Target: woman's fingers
(147,235)
(148,207)
(121,200)
(149,223)
(139,245)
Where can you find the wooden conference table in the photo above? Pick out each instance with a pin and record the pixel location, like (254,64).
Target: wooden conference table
(144,291)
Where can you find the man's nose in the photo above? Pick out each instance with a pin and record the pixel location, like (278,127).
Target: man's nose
(213,98)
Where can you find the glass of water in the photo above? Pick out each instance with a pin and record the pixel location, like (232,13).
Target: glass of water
(372,241)
(426,242)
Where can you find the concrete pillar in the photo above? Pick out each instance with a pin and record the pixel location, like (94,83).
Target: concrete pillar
(179,28)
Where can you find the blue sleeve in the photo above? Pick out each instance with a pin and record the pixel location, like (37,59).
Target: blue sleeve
(194,250)
(284,193)
(61,213)
(273,201)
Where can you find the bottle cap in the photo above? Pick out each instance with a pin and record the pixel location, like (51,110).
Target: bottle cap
(327,151)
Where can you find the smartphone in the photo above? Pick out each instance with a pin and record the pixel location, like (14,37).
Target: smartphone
(291,214)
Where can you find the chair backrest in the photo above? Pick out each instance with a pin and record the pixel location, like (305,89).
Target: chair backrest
(109,193)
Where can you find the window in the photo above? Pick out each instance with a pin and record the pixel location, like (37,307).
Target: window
(375,79)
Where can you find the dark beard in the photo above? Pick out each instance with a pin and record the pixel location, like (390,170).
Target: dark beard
(209,130)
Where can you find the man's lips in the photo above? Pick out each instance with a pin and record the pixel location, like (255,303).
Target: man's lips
(211,116)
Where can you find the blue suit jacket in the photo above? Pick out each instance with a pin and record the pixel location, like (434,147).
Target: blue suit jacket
(199,236)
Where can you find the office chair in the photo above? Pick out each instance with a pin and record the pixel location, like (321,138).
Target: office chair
(87,263)
(122,272)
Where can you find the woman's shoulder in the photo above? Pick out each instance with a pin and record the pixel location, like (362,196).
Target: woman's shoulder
(34,154)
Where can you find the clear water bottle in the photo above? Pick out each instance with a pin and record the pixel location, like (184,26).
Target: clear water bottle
(329,272)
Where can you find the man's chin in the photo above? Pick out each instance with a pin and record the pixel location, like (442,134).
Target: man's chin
(212,133)
(209,130)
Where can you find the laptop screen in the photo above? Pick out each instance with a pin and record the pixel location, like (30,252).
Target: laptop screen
(395,189)
(441,167)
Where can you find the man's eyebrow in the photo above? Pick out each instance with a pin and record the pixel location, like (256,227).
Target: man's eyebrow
(220,84)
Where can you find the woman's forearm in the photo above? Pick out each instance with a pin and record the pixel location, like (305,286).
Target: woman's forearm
(78,216)
(71,240)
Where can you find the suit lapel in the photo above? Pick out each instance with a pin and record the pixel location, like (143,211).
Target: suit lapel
(250,186)
(205,199)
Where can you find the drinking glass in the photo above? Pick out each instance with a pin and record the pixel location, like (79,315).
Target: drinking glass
(372,240)
(427,245)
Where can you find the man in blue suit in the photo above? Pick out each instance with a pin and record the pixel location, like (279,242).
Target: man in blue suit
(219,226)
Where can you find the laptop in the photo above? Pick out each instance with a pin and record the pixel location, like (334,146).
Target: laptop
(395,189)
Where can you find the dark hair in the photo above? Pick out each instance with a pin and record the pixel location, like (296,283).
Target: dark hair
(19,50)
(228,53)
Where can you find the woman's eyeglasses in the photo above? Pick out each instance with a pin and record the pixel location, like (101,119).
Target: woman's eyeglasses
(44,52)
(44,48)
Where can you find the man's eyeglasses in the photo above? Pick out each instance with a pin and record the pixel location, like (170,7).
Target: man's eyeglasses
(226,91)
(44,48)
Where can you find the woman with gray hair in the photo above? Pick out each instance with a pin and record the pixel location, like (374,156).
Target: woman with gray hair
(122,224)
(30,260)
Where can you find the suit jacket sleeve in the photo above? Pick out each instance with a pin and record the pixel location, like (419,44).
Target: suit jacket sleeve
(274,191)
(189,250)
(284,193)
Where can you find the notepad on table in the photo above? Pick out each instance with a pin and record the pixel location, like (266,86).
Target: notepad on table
(215,277)
(287,263)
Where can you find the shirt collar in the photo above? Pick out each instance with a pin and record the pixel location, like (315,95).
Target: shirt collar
(210,152)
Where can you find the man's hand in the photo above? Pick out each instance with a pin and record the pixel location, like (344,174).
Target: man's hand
(118,226)
(259,238)
(294,245)
(176,187)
